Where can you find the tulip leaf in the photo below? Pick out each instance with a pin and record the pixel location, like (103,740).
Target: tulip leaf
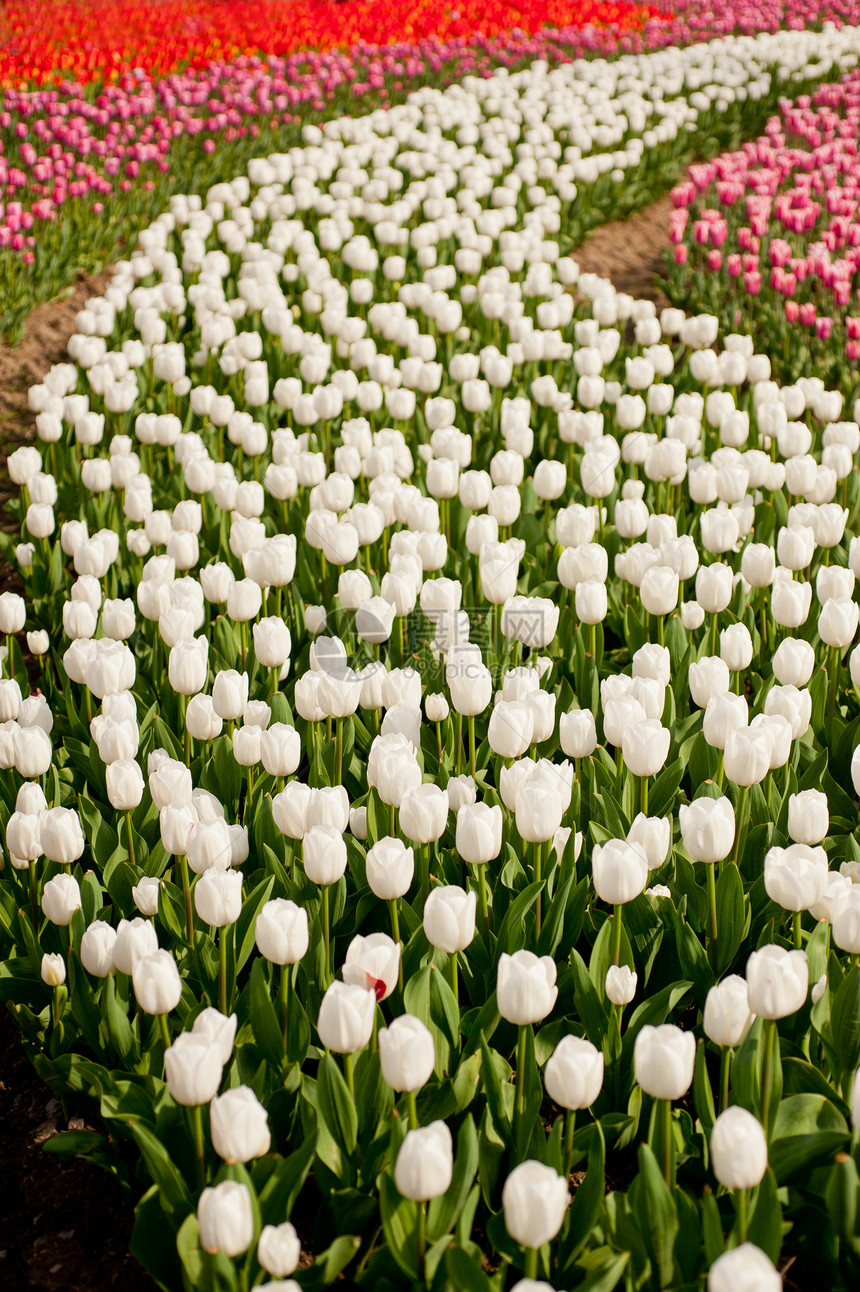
(330,1263)
(584,1210)
(278,1195)
(246,922)
(443,1211)
(82,999)
(493,1089)
(163,1170)
(589,1005)
(712,1227)
(694,962)
(607,1275)
(264,1020)
(511,934)
(553,925)
(808,1131)
(731,924)
(101,837)
(153,1241)
(765,1228)
(657,1216)
(845,1020)
(400,1225)
(653,1012)
(662,796)
(465,1273)
(119,1032)
(444,1010)
(336,1104)
(703,1095)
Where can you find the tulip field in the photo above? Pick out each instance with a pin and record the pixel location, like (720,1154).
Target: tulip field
(430,696)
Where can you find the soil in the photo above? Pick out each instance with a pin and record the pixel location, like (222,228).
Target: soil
(630,252)
(65,1226)
(48,330)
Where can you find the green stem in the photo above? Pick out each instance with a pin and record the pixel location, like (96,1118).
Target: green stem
(740,824)
(615,944)
(569,1131)
(741,1208)
(712,644)
(338,751)
(189,907)
(222,968)
(199,1150)
(472,751)
(482,893)
(832,679)
(413,1109)
(349,1071)
(537,874)
(797,929)
(453,975)
(519,1105)
(725,1074)
(130,833)
(770,1037)
(165,1030)
(665,1106)
(422,1240)
(643,792)
(531,1265)
(712,903)
(285,1002)
(619,772)
(326,934)
(34,897)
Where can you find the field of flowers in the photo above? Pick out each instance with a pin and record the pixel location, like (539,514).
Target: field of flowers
(430,729)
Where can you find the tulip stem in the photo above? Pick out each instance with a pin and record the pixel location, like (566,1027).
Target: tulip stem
(712,903)
(519,1106)
(422,1239)
(222,968)
(349,1070)
(130,834)
(326,934)
(538,878)
(741,824)
(413,1109)
(452,970)
(797,930)
(619,772)
(592,641)
(34,897)
(482,891)
(472,752)
(423,873)
(615,945)
(249,796)
(643,795)
(338,751)
(665,1113)
(197,1128)
(285,1002)
(531,1265)
(189,909)
(569,1131)
(165,1030)
(741,1208)
(725,1073)
(832,678)
(712,644)
(770,1038)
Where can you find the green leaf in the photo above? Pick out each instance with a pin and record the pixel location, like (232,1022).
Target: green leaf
(278,1195)
(765,1229)
(162,1169)
(264,1020)
(465,1273)
(654,1207)
(493,1089)
(245,925)
(845,1020)
(808,1131)
(444,1211)
(589,1005)
(586,1202)
(400,1225)
(730,917)
(337,1107)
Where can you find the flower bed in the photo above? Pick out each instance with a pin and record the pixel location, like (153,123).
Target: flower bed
(443,777)
(771,233)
